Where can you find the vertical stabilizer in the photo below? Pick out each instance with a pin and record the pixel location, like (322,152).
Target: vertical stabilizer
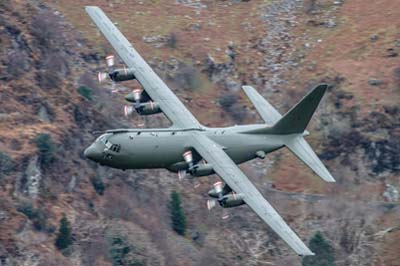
(296,120)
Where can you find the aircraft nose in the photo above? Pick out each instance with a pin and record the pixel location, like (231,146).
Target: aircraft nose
(91,153)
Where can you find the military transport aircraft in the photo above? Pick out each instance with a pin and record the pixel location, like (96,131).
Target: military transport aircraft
(191,149)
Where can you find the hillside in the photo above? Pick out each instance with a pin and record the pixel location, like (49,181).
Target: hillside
(204,50)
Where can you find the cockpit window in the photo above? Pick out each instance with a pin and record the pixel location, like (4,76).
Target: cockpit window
(109,146)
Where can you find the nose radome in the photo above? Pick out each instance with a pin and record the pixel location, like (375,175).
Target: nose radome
(90,153)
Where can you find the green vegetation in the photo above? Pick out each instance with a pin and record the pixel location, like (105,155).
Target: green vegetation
(6,164)
(85,92)
(98,185)
(37,215)
(46,148)
(324,255)
(119,253)
(178,219)
(64,239)
(172,40)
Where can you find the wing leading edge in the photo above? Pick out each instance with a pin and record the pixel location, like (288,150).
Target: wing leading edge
(171,106)
(234,177)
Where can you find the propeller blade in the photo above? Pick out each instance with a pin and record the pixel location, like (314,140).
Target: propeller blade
(225,215)
(182,174)
(113,88)
(101,76)
(211,203)
(110,61)
(128,110)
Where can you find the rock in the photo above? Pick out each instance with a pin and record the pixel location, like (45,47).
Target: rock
(33,175)
(232,85)
(391,53)
(71,184)
(330,23)
(391,193)
(375,82)
(374,37)
(43,114)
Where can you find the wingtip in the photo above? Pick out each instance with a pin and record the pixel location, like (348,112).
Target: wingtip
(307,254)
(90,7)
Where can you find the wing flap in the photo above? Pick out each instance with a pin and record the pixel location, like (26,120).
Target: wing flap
(234,177)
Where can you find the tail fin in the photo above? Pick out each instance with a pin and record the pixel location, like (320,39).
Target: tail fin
(293,122)
(297,119)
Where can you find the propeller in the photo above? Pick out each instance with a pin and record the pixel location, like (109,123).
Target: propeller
(102,76)
(188,156)
(211,203)
(218,187)
(130,110)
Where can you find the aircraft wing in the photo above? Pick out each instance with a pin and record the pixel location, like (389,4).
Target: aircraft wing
(171,106)
(234,177)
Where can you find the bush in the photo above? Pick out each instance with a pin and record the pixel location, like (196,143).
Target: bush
(98,185)
(178,220)
(85,92)
(172,40)
(323,252)
(122,253)
(46,28)
(48,79)
(6,164)
(46,148)
(64,239)
(37,216)
(230,104)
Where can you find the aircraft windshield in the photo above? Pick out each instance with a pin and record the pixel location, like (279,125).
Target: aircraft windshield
(103,139)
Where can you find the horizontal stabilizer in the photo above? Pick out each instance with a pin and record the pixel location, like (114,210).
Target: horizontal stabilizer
(267,112)
(299,146)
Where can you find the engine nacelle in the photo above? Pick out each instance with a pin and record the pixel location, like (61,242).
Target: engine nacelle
(122,74)
(148,108)
(202,170)
(232,200)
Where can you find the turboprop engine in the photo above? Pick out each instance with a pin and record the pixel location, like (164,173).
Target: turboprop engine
(117,75)
(201,168)
(224,196)
(142,103)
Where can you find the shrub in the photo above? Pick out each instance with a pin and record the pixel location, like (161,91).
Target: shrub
(230,104)
(323,252)
(37,216)
(85,92)
(172,40)
(227,101)
(46,148)
(98,185)
(48,79)
(64,239)
(27,209)
(122,253)
(178,220)
(46,28)
(6,164)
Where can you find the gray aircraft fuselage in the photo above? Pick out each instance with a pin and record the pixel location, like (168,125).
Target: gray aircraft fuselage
(163,148)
